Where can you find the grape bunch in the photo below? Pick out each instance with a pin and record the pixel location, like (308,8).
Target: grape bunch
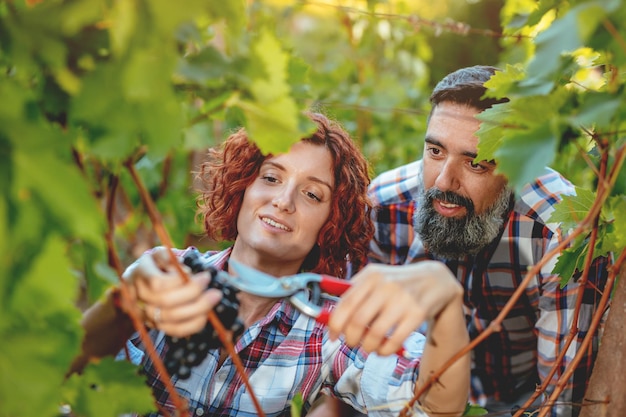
(184,353)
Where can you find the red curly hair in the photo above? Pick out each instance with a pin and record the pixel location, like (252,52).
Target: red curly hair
(233,166)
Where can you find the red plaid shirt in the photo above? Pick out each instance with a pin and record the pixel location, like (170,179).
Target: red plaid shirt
(509,362)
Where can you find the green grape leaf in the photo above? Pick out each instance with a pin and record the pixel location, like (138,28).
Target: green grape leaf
(515,19)
(100,93)
(146,76)
(115,144)
(504,123)
(619,206)
(274,62)
(162,123)
(47,287)
(14,98)
(472,410)
(614,211)
(108,388)
(167,15)
(27,228)
(79,213)
(569,260)
(606,241)
(526,154)
(272,119)
(270,126)
(198,136)
(77,15)
(572,209)
(233,12)
(565,35)
(620,183)
(500,84)
(597,109)
(543,7)
(98,275)
(5,241)
(123,25)
(298,77)
(33,363)
(205,66)
(296,405)
(495,123)
(40,334)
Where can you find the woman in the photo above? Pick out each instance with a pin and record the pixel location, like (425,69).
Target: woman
(305,210)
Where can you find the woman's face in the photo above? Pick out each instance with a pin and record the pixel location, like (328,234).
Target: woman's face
(285,207)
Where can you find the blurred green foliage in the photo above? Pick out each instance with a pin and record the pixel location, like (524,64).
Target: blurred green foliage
(87,85)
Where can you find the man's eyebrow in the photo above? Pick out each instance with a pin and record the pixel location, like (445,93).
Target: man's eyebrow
(310,178)
(473,155)
(433,141)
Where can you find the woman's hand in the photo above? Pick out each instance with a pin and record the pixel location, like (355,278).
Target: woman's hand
(386,303)
(166,301)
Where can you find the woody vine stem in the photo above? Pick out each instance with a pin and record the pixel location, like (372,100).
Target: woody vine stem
(134,313)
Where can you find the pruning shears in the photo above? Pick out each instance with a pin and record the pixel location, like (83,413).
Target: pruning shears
(304,290)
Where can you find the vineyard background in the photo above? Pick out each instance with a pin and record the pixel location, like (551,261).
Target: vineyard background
(90,87)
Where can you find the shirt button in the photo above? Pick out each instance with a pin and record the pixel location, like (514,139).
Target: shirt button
(199,411)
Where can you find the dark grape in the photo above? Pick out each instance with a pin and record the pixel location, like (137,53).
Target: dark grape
(184,353)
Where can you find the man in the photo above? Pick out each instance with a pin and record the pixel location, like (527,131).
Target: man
(449,207)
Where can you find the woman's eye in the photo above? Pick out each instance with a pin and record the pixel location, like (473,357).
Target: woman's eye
(312,196)
(269,178)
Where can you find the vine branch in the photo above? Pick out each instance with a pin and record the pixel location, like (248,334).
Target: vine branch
(134,312)
(212,317)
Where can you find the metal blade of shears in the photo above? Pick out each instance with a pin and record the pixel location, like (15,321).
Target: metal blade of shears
(259,283)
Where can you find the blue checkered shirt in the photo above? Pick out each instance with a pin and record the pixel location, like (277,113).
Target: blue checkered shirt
(285,354)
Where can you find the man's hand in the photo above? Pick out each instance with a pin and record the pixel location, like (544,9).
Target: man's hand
(387,303)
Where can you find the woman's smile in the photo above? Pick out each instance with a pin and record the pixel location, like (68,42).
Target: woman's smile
(274,224)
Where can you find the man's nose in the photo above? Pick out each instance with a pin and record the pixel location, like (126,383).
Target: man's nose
(448,178)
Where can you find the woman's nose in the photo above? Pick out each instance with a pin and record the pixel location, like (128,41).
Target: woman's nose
(284,200)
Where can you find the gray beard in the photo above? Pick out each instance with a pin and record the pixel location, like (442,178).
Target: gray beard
(455,238)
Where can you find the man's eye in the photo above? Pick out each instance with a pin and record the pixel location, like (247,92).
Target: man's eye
(477,167)
(434,151)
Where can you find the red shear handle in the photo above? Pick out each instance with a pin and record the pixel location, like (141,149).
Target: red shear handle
(335,286)
(323,317)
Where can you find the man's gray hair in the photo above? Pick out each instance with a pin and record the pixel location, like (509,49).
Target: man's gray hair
(466,86)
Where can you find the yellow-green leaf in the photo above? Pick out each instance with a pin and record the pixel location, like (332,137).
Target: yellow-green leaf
(274,61)
(109,388)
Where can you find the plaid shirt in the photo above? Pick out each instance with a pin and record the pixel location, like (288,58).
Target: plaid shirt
(285,354)
(533,333)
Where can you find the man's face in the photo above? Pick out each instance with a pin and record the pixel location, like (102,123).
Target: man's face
(463,204)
